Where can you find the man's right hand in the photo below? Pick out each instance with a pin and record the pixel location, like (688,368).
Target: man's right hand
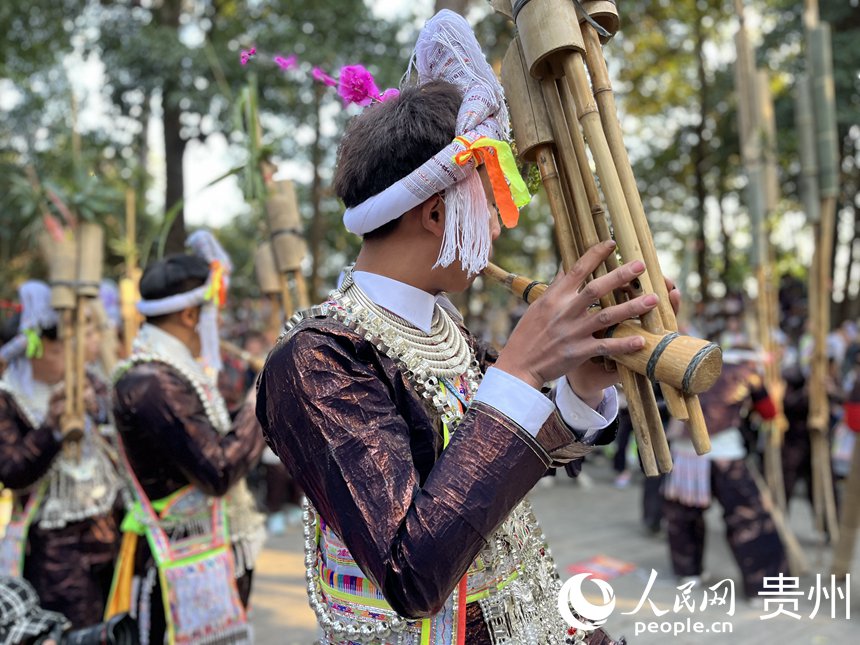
(556,336)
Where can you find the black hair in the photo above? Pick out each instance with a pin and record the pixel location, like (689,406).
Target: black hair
(9,329)
(391,139)
(173,275)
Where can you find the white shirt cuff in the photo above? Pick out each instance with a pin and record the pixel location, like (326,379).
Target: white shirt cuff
(516,399)
(585,421)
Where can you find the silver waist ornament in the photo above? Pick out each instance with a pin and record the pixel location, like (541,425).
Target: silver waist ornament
(516,569)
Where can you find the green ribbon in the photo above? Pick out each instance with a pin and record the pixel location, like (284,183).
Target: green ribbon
(35,349)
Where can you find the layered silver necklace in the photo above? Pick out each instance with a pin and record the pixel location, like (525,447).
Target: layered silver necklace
(443,353)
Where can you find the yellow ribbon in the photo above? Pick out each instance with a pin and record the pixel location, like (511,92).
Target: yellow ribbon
(508,186)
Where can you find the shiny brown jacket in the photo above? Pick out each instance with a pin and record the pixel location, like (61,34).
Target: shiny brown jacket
(351,429)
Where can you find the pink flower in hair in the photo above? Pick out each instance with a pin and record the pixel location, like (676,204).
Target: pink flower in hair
(390,93)
(356,85)
(322,77)
(288,63)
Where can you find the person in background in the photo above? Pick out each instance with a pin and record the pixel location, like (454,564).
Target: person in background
(723,474)
(179,438)
(65,525)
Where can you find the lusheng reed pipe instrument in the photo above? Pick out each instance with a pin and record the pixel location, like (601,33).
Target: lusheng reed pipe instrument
(555,110)
(75,274)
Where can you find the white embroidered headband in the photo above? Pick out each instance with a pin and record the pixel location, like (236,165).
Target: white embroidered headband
(447,50)
(212,295)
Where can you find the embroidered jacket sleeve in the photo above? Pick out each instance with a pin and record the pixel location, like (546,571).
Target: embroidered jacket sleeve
(171,442)
(26,453)
(358,440)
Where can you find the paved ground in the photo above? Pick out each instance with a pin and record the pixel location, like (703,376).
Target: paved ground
(583,522)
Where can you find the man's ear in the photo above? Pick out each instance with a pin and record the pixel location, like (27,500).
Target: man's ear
(189,317)
(433,215)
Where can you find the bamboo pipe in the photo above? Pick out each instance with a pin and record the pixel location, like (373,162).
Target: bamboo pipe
(642,403)
(552,184)
(626,237)
(605,99)
(598,213)
(535,133)
(255,362)
(535,128)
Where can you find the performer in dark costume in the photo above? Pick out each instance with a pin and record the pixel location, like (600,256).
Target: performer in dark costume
(66,525)
(415,444)
(180,443)
(723,474)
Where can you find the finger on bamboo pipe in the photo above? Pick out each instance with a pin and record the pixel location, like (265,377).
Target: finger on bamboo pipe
(687,362)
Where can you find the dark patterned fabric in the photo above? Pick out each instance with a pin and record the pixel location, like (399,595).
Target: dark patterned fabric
(169,440)
(72,567)
(351,429)
(750,530)
(26,453)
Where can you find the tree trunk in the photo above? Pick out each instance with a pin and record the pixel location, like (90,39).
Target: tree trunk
(317,228)
(699,157)
(174,145)
(174,151)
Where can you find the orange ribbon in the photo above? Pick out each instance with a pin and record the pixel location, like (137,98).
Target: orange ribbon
(217,291)
(485,150)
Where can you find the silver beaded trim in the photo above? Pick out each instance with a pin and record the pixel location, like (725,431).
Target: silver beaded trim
(217,414)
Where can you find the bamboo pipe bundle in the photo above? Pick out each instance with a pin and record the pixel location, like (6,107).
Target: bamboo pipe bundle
(767,297)
(553,46)
(75,267)
(288,245)
(819,53)
(561,57)
(534,131)
(270,282)
(62,267)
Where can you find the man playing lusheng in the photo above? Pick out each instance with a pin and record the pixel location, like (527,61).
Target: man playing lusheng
(417,533)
